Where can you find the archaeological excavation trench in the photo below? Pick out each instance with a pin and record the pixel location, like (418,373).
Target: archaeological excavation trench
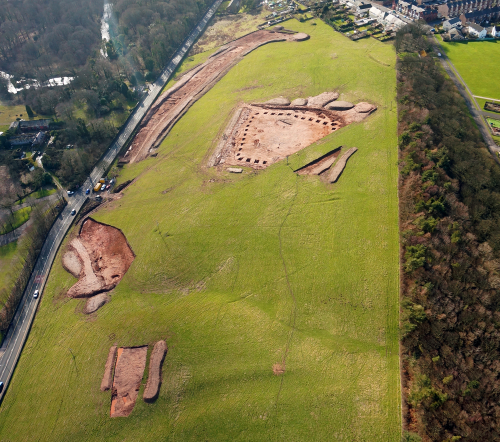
(99,257)
(172,104)
(123,374)
(259,135)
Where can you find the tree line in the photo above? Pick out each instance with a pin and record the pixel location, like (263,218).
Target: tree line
(450,239)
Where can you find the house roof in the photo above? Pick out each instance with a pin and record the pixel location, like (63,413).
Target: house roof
(455,33)
(482,13)
(453,21)
(476,27)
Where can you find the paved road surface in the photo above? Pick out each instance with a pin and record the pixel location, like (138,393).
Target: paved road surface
(471,102)
(13,343)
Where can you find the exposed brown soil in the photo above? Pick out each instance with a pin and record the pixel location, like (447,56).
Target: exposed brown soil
(171,105)
(335,172)
(279,369)
(129,370)
(154,379)
(104,256)
(262,134)
(321,164)
(95,303)
(107,379)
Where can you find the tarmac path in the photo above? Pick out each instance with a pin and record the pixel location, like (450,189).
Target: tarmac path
(16,336)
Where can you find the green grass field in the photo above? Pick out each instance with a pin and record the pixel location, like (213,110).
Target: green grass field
(468,56)
(238,273)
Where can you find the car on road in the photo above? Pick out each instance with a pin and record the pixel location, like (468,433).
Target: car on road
(70,192)
(1,387)
(87,191)
(73,212)
(35,295)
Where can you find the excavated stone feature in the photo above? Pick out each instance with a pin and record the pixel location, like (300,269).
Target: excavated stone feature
(96,302)
(174,102)
(299,102)
(322,99)
(340,105)
(105,256)
(364,107)
(280,101)
(300,37)
(259,135)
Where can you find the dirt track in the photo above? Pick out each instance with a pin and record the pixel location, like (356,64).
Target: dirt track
(129,370)
(171,105)
(100,256)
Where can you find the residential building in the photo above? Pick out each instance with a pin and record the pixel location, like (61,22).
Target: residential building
(477,30)
(452,23)
(493,31)
(490,15)
(455,35)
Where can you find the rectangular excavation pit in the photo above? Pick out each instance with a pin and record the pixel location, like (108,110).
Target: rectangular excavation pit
(129,370)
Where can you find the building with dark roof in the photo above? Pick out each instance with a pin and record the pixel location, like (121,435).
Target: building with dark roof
(491,15)
(34,125)
(452,24)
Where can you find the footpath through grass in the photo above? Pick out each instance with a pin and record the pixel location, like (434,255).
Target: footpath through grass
(477,63)
(241,272)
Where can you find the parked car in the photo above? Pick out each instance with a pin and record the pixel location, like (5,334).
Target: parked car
(35,295)
(87,191)
(73,212)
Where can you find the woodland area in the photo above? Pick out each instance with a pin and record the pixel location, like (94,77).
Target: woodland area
(450,238)
(50,38)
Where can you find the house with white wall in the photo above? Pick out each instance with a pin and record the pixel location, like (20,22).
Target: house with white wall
(477,30)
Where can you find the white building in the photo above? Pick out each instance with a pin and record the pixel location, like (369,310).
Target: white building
(477,30)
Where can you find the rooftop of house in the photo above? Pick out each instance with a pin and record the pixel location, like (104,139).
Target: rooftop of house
(476,27)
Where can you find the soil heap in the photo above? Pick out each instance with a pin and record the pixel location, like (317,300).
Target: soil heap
(99,257)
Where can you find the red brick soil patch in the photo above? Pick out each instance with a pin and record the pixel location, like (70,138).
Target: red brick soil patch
(102,256)
(129,370)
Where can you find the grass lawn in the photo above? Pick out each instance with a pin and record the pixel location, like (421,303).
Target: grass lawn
(9,113)
(467,56)
(17,219)
(238,273)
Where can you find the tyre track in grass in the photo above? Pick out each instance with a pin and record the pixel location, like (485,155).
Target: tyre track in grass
(293,313)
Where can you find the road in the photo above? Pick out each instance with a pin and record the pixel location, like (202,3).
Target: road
(12,346)
(469,99)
